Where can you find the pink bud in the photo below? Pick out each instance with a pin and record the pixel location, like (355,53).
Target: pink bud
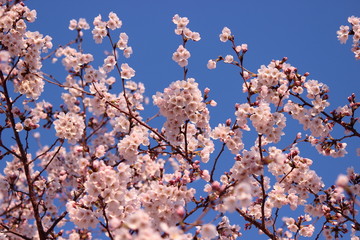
(205,175)
(246,75)
(180,211)
(215,186)
(244,47)
(228,122)
(206,91)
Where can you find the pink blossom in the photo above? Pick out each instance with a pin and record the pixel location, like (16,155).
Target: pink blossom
(126,71)
(343,34)
(229,59)
(69,126)
(181,55)
(211,64)
(225,34)
(208,231)
(127,52)
(127,176)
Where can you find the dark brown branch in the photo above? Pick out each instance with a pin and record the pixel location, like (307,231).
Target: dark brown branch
(15,233)
(215,162)
(23,158)
(257,224)
(50,161)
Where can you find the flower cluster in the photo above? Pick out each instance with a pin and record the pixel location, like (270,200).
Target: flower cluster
(74,59)
(227,231)
(232,138)
(80,215)
(181,28)
(225,34)
(29,45)
(181,56)
(78,25)
(123,177)
(128,146)
(240,197)
(182,102)
(31,85)
(299,177)
(69,126)
(122,45)
(295,226)
(101,27)
(271,83)
(163,203)
(345,31)
(266,123)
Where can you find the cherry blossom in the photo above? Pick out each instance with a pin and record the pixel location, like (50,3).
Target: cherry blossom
(211,64)
(69,126)
(181,56)
(93,165)
(354,29)
(225,34)
(126,71)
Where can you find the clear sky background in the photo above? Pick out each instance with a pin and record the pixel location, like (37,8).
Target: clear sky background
(304,31)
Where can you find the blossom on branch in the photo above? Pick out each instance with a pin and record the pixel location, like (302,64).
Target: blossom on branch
(111,172)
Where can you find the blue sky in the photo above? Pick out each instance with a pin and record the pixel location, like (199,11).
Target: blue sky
(304,31)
